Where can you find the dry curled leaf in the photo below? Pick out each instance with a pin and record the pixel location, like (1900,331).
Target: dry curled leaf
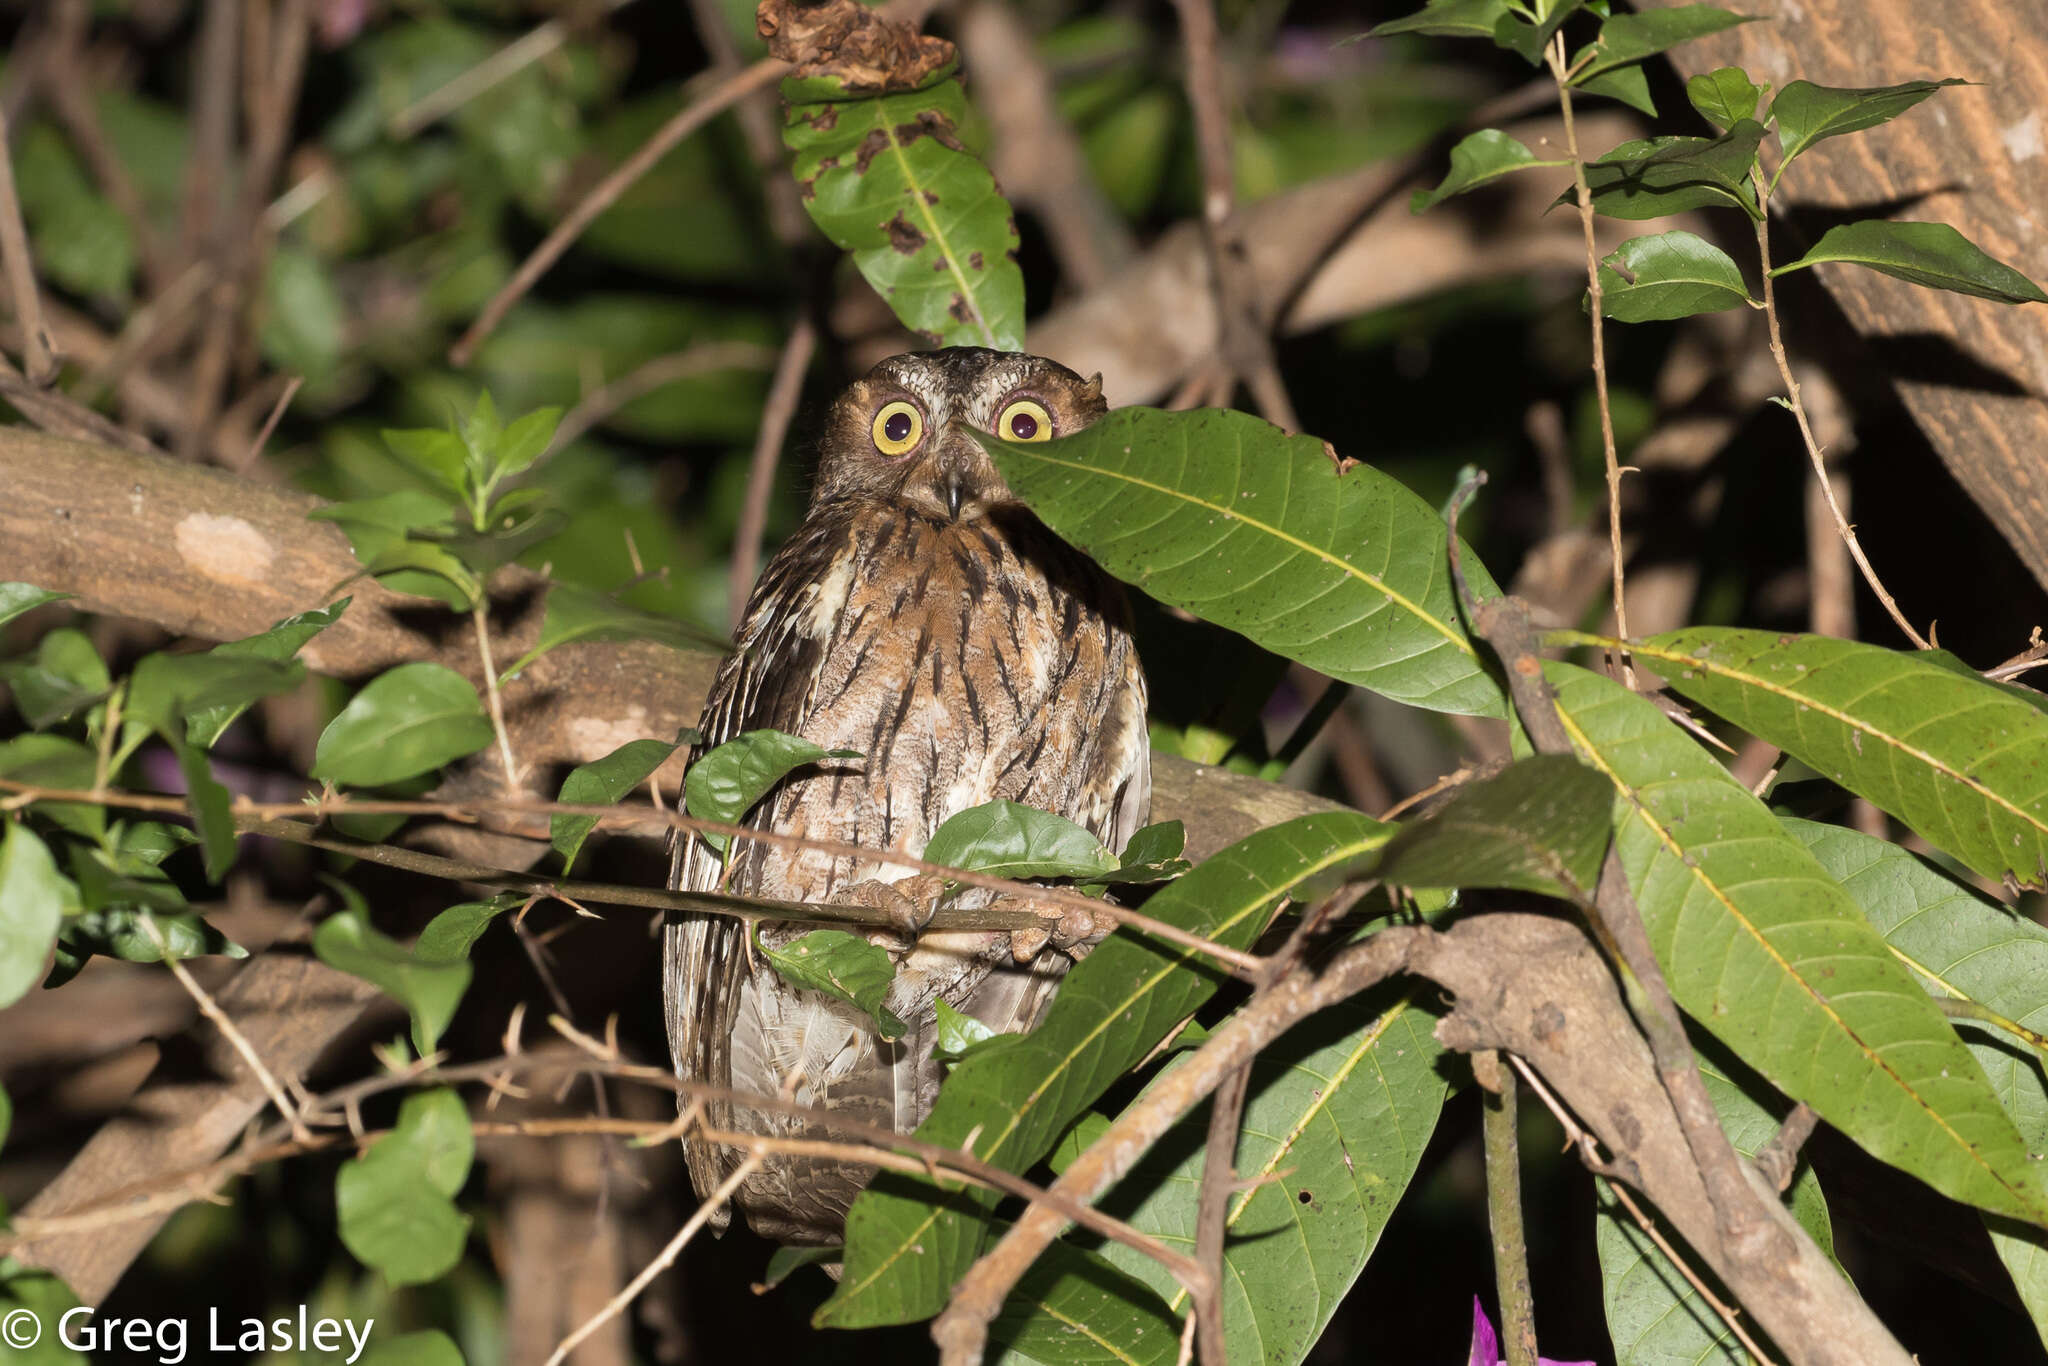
(845,40)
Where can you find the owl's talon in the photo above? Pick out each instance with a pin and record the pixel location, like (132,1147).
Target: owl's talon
(1026,944)
(909,904)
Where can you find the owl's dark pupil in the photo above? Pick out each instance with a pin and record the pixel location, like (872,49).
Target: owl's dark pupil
(1023,426)
(897,427)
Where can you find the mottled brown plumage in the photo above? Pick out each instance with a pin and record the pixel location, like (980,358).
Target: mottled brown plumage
(922,617)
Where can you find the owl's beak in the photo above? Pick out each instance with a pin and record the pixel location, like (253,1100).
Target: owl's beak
(956,494)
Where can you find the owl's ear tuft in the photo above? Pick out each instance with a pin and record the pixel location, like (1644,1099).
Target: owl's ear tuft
(1092,386)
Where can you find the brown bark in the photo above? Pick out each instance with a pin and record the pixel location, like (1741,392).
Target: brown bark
(1973,157)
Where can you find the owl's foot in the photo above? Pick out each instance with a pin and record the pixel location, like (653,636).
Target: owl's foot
(910,904)
(1070,929)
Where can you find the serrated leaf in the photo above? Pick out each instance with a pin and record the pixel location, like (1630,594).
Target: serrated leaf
(17,598)
(1724,97)
(1807,113)
(63,675)
(1960,946)
(1653,1314)
(958,1032)
(1073,1308)
(1768,952)
(33,895)
(1930,254)
(888,181)
(845,967)
(451,934)
(724,784)
(407,721)
(1485,156)
(1338,1115)
(1540,825)
(1630,38)
(601,782)
(430,989)
(281,642)
(1959,759)
(578,613)
(1449,19)
(1229,517)
(1671,275)
(395,1202)
(1007,839)
(1017,1094)
(1661,176)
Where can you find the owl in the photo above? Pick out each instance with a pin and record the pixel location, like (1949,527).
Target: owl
(926,620)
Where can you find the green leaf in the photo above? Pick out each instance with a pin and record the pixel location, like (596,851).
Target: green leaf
(1449,19)
(409,720)
(1930,254)
(1520,36)
(1671,275)
(1153,854)
(724,784)
(1629,84)
(888,180)
(33,897)
(64,675)
(1768,952)
(450,935)
(1338,1115)
(165,689)
(119,932)
(436,455)
(427,570)
(578,613)
(1653,1314)
(1017,1094)
(958,1033)
(46,1300)
(281,642)
(1485,156)
(428,1347)
(601,782)
(845,967)
(1661,176)
(56,761)
(1229,517)
(524,441)
(785,1262)
(1809,113)
(1072,1308)
(395,1202)
(388,516)
(1960,760)
(305,319)
(1540,826)
(1629,38)
(212,807)
(1006,839)
(429,988)
(1725,96)
(17,598)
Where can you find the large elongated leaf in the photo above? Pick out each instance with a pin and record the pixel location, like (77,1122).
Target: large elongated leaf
(1540,825)
(1660,176)
(1338,566)
(1073,1308)
(1653,1314)
(1335,1122)
(1930,254)
(1768,952)
(1809,113)
(1960,946)
(1959,759)
(887,180)
(1017,1094)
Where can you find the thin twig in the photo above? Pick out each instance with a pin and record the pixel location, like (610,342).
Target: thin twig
(480,615)
(212,1011)
(38,356)
(277,410)
(502,65)
(1584,193)
(1778,1160)
(1500,1124)
(606,192)
(780,410)
(1212,1208)
(645,378)
(1813,451)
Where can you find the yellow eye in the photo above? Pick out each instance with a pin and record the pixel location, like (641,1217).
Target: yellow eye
(899,426)
(1024,420)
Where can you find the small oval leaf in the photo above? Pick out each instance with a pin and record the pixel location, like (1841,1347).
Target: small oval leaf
(408,721)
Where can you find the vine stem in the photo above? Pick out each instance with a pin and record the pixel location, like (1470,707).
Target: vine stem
(1499,1107)
(481,615)
(1813,452)
(1558,73)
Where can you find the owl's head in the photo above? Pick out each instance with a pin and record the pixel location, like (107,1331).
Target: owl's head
(903,430)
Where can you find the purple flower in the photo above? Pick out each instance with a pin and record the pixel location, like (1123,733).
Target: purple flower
(1486,1343)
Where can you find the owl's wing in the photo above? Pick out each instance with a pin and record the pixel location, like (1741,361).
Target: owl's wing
(767,683)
